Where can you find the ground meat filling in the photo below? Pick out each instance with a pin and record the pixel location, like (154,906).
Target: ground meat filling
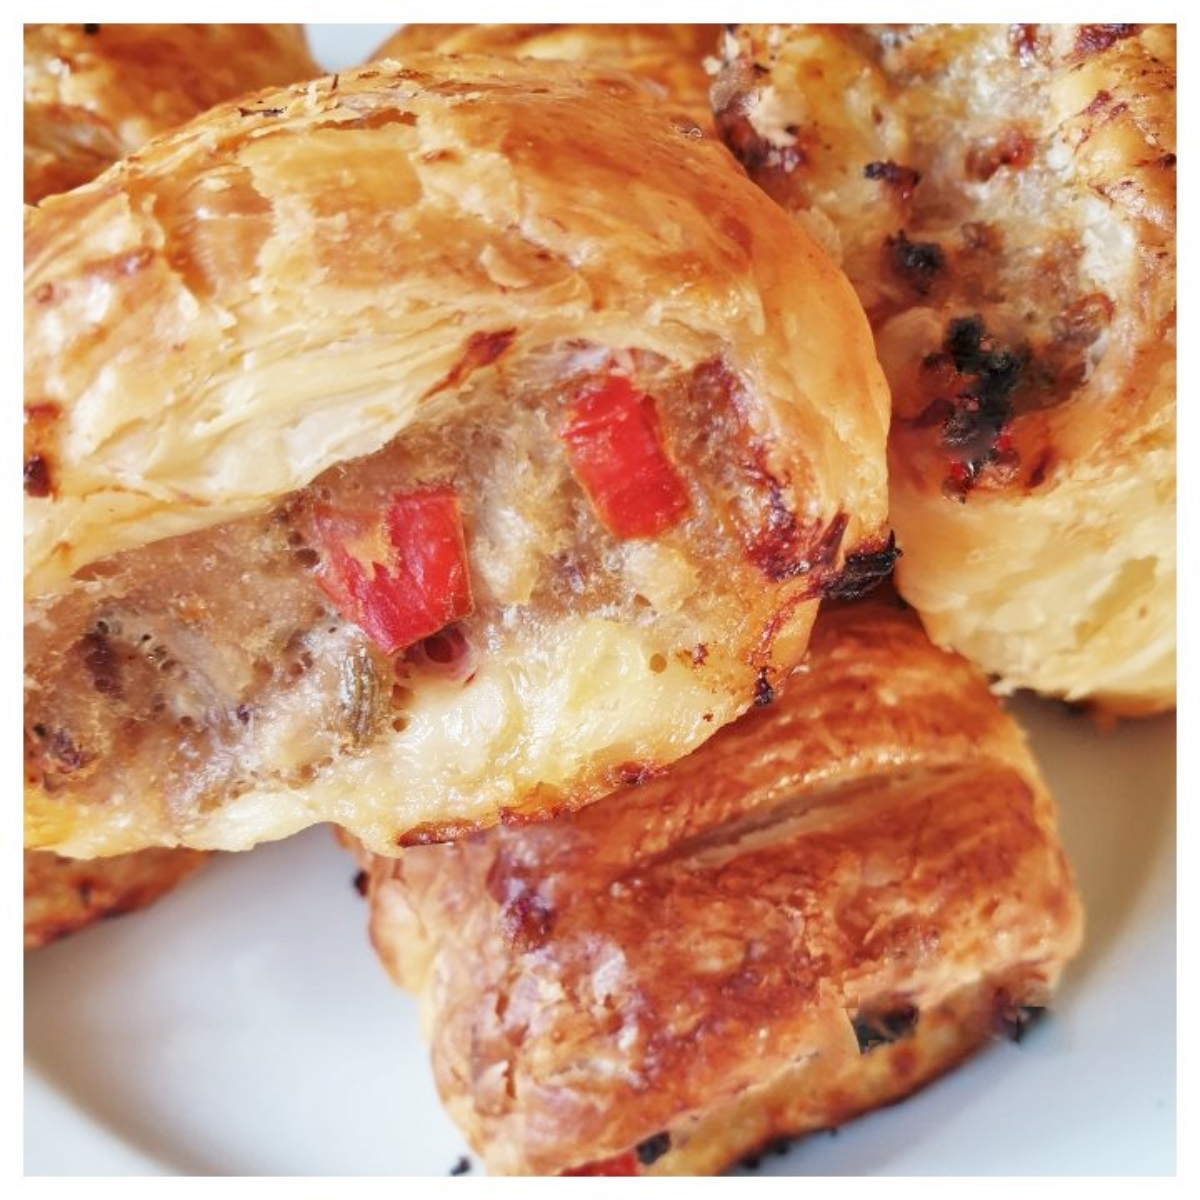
(198,667)
(986,307)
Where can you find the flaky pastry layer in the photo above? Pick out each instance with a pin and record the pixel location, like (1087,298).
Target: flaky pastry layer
(95,93)
(670,57)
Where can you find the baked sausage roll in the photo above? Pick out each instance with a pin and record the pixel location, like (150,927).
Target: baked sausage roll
(670,57)
(95,93)
(427,445)
(1003,198)
(829,904)
(92,95)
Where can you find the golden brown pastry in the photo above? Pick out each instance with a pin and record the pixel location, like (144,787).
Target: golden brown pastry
(830,903)
(95,93)
(670,57)
(430,445)
(63,895)
(1003,198)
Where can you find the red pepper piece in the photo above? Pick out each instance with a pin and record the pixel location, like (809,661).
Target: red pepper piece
(400,574)
(623,1164)
(616,452)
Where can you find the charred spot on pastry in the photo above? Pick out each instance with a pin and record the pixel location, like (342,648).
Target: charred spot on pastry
(918,264)
(874,1029)
(91,30)
(778,1146)
(969,346)
(864,570)
(1092,39)
(653,1148)
(974,421)
(901,180)
(361,882)
(764,693)
(38,481)
(260,112)
(1011,1020)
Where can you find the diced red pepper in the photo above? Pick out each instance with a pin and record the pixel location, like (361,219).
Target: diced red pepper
(616,452)
(623,1164)
(399,574)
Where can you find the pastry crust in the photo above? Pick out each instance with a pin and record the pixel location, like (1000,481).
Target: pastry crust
(1003,198)
(693,967)
(399,278)
(670,57)
(64,895)
(95,93)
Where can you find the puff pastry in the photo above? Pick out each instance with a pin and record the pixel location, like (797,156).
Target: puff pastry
(382,469)
(95,93)
(831,902)
(92,95)
(63,895)
(1003,198)
(670,57)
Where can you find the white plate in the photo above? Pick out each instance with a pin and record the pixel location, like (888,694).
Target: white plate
(243,1027)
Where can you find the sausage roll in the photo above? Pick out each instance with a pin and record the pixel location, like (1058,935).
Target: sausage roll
(1003,198)
(428,445)
(92,95)
(670,57)
(830,903)
(95,93)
